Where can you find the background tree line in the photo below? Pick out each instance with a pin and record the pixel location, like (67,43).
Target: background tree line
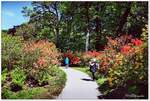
(83,26)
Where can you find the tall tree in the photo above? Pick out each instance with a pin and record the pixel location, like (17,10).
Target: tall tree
(47,14)
(123,18)
(84,25)
(86,5)
(99,9)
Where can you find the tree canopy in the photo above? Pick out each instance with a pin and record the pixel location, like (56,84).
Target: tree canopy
(84,26)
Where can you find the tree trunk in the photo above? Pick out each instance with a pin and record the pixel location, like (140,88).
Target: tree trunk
(87,41)
(87,29)
(57,24)
(123,19)
(97,28)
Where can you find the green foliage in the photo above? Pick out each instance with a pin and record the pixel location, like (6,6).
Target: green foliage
(4,75)
(144,35)
(28,31)
(6,93)
(133,89)
(101,81)
(28,58)
(53,75)
(59,77)
(43,76)
(11,50)
(4,31)
(46,33)
(76,18)
(18,76)
(67,24)
(24,94)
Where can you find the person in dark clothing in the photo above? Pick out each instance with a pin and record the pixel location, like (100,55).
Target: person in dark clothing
(93,67)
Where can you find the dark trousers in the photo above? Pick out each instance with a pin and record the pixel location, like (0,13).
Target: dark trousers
(93,75)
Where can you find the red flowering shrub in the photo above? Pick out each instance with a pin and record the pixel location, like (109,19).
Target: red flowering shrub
(41,62)
(126,49)
(124,63)
(74,58)
(123,60)
(136,42)
(86,56)
(48,54)
(93,53)
(68,54)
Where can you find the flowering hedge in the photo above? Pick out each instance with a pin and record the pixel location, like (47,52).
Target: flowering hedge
(74,58)
(48,54)
(30,69)
(86,56)
(124,61)
(39,56)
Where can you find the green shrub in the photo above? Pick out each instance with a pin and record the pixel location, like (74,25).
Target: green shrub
(24,94)
(55,77)
(28,58)
(18,76)
(51,74)
(101,81)
(4,75)
(11,50)
(33,59)
(43,76)
(27,31)
(133,89)
(60,78)
(6,93)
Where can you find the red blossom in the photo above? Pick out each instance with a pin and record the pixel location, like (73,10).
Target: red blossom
(41,62)
(73,59)
(125,49)
(93,53)
(137,42)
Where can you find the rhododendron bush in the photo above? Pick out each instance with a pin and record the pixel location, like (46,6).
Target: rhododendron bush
(73,57)
(87,56)
(81,58)
(29,65)
(47,53)
(124,60)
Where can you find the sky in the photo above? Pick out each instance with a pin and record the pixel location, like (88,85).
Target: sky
(11,13)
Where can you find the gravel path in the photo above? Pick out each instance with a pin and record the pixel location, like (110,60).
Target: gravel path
(79,86)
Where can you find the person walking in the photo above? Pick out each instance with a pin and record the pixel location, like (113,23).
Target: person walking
(93,67)
(67,62)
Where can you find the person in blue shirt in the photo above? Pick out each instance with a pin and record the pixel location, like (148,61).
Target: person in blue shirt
(67,62)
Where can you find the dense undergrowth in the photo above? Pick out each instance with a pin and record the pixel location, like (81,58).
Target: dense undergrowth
(30,69)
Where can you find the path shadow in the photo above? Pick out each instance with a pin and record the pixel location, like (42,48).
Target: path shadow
(87,79)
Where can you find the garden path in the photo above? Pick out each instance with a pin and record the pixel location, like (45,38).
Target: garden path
(79,86)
